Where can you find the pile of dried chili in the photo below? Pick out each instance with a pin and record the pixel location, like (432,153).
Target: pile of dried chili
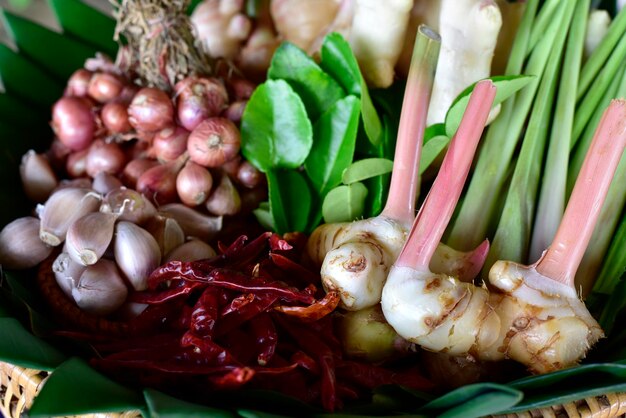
(252,316)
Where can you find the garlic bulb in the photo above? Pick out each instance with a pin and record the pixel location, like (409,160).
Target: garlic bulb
(194,223)
(100,289)
(20,246)
(62,209)
(38,178)
(136,252)
(67,273)
(89,236)
(130,205)
(191,251)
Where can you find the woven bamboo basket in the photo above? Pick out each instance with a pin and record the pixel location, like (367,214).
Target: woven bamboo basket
(19,386)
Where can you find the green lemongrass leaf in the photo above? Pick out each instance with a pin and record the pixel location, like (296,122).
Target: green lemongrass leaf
(83,390)
(466,401)
(377,191)
(18,346)
(479,207)
(161,405)
(275,130)
(506,87)
(569,385)
(318,90)
(25,80)
(512,236)
(597,59)
(344,203)
(613,306)
(546,14)
(57,54)
(431,151)
(616,89)
(554,180)
(334,140)
(601,83)
(614,263)
(290,200)
(366,168)
(338,60)
(264,217)
(17,112)
(86,23)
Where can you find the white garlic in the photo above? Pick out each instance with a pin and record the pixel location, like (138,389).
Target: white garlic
(130,205)
(193,223)
(89,236)
(104,182)
(136,252)
(62,209)
(20,246)
(100,289)
(191,251)
(167,233)
(38,178)
(67,273)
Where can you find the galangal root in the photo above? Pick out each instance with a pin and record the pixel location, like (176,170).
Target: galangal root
(534,315)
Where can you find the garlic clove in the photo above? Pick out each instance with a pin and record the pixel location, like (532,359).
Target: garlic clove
(100,289)
(167,233)
(191,251)
(136,252)
(78,183)
(225,199)
(129,205)
(67,273)
(193,223)
(37,175)
(104,182)
(88,237)
(62,209)
(20,246)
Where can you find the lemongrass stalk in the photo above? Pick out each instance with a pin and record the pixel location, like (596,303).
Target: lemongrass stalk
(562,258)
(471,225)
(514,228)
(546,15)
(590,101)
(614,262)
(554,180)
(404,178)
(599,56)
(576,160)
(598,25)
(608,219)
(437,209)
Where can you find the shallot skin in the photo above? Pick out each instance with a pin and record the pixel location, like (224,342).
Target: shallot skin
(151,110)
(214,142)
(73,122)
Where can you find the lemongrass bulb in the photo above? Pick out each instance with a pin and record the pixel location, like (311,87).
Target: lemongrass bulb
(100,289)
(20,246)
(38,178)
(136,252)
(89,236)
(130,205)
(167,233)
(191,251)
(104,182)
(67,272)
(193,223)
(62,209)
(193,184)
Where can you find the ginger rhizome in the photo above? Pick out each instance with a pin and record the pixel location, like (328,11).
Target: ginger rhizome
(534,316)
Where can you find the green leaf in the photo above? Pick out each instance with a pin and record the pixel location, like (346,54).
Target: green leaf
(20,347)
(275,130)
(431,150)
(474,400)
(248,413)
(344,203)
(290,200)
(16,112)
(264,217)
(318,90)
(615,262)
(86,23)
(334,139)
(55,53)
(366,168)
(437,129)
(23,79)
(161,405)
(82,390)
(377,190)
(506,85)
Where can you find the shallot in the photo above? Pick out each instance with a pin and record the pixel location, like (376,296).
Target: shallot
(151,110)
(214,142)
(73,122)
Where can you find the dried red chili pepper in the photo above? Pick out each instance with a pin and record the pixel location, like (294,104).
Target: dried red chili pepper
(315,311)
(205,312)
(264,332)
